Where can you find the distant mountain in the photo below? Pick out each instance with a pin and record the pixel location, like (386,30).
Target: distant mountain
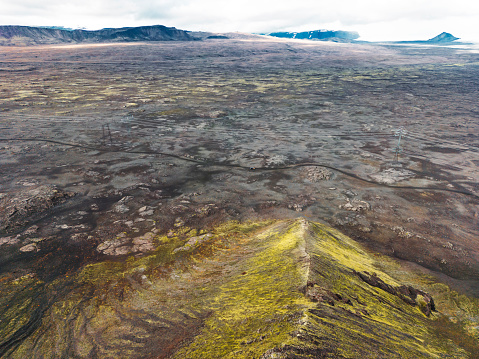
(59,28)
(323,35)
(443,37)
(27,35)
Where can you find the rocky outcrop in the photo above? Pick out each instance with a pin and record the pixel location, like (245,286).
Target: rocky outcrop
(315,174)
(123,245)
(407,294)
(20,208)
(27,35)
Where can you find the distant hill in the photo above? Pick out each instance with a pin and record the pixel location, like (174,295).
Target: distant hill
(27,35)
(323,35)
(443,37)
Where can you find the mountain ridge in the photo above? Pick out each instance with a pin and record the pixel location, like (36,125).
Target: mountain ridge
(322,35)
(28,35)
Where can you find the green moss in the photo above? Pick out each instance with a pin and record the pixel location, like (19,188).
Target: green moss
(265,308)
(284,287)
(258,308)
(17,302)
(375,323)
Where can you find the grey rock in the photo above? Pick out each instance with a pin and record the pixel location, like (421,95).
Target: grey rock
(20,208)
(29,248)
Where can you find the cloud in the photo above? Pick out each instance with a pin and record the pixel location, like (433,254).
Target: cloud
(367,16)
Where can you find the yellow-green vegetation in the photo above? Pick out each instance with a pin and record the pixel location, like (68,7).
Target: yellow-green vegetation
(258,308)
(266,311)
(364,320)
(276,289)
(17,302)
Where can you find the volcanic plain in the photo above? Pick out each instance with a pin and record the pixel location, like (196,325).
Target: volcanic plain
(149,190)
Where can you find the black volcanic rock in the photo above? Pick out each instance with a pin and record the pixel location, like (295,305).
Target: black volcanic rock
(443,37)
(217,37)
(324,35)
(26,35)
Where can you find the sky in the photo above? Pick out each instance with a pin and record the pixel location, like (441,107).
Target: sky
(374,20)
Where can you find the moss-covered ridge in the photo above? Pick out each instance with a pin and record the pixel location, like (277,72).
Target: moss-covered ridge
(308,293)
(364,309)
(284,289)
(262,303)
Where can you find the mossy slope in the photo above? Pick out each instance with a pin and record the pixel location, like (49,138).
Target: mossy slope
(303,297)
(285,289)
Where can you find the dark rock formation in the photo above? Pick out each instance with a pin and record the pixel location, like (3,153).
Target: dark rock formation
(217,37)
(443,37)
(26,35)
(19,209)
(324,35)
(406,293)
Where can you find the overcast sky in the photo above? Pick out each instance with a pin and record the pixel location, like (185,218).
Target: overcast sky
(373,19)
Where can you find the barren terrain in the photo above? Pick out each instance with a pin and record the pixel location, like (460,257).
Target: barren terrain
(107,148)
